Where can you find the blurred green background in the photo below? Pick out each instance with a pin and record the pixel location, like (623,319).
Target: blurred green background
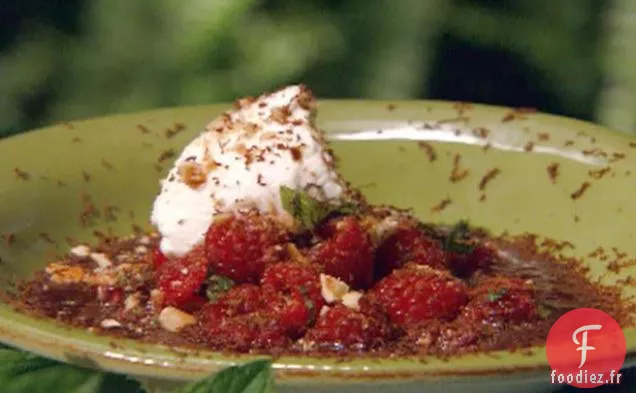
(69,59)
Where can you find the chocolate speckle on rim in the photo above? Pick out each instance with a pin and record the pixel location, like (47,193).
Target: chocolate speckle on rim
(443,204)
(173,131)
(46,237)
(599,173)
(166,155)
(595,152)
(107,164)
(508,117)
(580,191)
(20,174)
(462,107)
(110,213)
(553,171)
(481,132)
(617,157)
(457,173)
(517,114)
(488,177)
(429,150)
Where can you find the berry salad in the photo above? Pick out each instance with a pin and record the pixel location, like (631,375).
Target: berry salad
(260,246)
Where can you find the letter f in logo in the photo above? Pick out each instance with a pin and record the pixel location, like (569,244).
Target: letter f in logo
(583,344)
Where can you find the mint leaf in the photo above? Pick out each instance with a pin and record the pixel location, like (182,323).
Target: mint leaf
(458,239)
(346,208)
(310,212)
(217,286)
(25,372)
(254,377)
(494,296)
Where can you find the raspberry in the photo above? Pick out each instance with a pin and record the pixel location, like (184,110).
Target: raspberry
(417,293)
(241,246)
(346,254)
(238,321)
(344,328)
(408,245)
(465,264)
(246,332)
(499,300)
(293,295)
(158,258)
(238,300)
(181,278)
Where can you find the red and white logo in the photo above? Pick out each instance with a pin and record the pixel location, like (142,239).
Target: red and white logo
(586,348)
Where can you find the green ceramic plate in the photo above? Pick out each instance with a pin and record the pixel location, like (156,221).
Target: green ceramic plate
(117,162)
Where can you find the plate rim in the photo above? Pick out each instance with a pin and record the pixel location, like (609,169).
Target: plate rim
(125,363)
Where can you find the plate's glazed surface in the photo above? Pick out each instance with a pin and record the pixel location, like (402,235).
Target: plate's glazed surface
(556,177)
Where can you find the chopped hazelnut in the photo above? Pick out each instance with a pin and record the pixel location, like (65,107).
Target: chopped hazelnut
(332,289)
(64,274)
(132,301)
(101,259)
(352,300)
(173,319)
(81,251)
(110,323)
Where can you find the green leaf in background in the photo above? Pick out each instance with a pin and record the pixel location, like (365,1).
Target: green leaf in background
(22,372)
(254,377)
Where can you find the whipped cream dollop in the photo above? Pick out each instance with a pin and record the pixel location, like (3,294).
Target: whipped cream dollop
(240,162)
